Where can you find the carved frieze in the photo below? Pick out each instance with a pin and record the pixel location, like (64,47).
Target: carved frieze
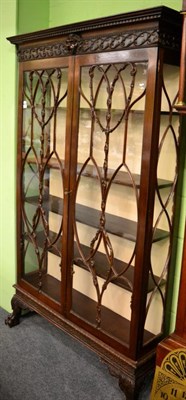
(74,44)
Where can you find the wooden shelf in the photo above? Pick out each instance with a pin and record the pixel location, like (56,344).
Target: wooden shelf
(85,308)
(101,265)
(50,285)
(115,225)
(115,111)
(122,177)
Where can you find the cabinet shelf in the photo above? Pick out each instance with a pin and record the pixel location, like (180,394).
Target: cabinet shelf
(115,225)
(101,266)
(122,177)
(115,111)
(120,326)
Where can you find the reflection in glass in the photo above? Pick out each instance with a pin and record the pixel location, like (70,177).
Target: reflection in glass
(43,143)
(112,99)
(164,200)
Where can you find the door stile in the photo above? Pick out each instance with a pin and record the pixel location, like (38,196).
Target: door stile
(73,117)
(20,261)
(67,240)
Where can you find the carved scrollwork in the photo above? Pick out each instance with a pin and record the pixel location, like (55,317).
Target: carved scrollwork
(44,51)
(50,50)
(119,42)
(74,44)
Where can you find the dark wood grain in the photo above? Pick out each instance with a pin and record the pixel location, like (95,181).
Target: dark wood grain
(84,307)
(122,227)
(122,177)
(101,264)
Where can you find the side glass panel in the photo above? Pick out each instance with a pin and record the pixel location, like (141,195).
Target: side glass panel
(112,102)
(43,144)
(164,200)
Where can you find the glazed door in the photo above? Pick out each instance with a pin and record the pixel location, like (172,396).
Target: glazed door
(117,282)
(111,93)
(43,170)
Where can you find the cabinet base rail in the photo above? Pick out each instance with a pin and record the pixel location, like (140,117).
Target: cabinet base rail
(131,374)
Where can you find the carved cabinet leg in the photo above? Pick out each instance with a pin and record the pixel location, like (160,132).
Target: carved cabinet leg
(130,386)
(17,307)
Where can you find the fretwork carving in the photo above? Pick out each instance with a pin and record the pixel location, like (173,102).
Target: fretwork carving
(77,45)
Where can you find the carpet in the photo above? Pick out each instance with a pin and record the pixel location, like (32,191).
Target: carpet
(40,362)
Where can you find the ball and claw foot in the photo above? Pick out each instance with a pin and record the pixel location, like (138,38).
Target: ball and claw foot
(13,319)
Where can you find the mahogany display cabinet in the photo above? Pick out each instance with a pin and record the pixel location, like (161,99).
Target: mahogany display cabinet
(97,167)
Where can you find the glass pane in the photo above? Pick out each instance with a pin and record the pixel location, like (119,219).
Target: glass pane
(112,100)
(164,200)
(43,151)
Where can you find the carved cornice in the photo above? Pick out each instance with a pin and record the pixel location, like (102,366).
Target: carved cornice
(74,44)
(155,15)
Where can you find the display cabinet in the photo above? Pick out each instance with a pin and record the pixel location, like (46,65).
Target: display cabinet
(97,167)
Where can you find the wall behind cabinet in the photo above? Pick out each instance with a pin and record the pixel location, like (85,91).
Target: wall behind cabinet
(16,16)
(67,11)
(8,26)
(20,16)
(32,15)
